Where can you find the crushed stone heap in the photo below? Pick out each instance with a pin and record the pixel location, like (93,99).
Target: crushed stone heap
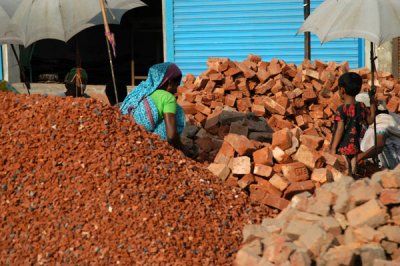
(82,184)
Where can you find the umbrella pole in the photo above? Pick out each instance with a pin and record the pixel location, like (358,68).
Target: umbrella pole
(21,70)
(307,35)
(372,96)
(107,30)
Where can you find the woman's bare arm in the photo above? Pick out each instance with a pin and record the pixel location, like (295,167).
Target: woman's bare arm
(380,143)
(172,133)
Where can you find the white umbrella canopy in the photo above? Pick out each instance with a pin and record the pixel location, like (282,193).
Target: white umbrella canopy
(8,29)
(30,21)
(377,21)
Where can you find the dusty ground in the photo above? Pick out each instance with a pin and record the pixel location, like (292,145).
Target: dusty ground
(82,184)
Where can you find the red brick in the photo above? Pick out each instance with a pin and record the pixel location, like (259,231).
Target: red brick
(232,181)
(188,108)
(282,139)
(267,186)
(243,104)
(390,196)
(254,58)
(390,179)
(216,77)
(230,100)
(393,105)
(246,181)
(262,75)
(277,87)
(215,104)
(310,158)
(263,156)
(220,170)
(277,121)
(311,73)
(200,118)
(201,82)
(275,201)
(295,172)
(237,94)
(312,142)
(247,72)
(274,68)
(190,96)
(321,175)
(262,170)
(232,71)
(218,64)
(299,187)
(309,95)
(241,144)
(203,109)
(240,165)
(274,107)
(258,110)
(279,182)
(280,156)
(225,153)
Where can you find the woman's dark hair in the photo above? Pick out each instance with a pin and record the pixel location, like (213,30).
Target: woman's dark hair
(177,80)
(121,92)
(351,82)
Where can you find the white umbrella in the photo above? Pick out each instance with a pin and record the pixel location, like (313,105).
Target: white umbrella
(377,21)
(30,21)
(27,21)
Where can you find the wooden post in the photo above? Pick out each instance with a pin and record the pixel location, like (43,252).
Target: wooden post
(133,55)
(107,32)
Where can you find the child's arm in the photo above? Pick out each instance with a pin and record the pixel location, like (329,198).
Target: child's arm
(338,136)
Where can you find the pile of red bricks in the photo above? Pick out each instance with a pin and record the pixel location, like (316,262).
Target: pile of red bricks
(81,184)
(265,126)
(345,223)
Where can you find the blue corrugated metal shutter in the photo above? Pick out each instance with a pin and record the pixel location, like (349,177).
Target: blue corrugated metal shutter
(235,28)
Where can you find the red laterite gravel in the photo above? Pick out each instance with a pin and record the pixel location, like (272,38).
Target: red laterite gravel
(80,184)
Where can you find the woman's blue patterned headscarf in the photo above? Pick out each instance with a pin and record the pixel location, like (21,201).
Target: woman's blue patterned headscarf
(145,88)
(139,105)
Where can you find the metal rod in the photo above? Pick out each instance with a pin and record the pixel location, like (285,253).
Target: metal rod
(307,35)
(372,96)
(21,70)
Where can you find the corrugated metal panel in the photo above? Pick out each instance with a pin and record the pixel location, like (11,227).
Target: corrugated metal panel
(235,28)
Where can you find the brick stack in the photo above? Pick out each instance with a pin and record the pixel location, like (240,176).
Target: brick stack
(345,223)
(265,125)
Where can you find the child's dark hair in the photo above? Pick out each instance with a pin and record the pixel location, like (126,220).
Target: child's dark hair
(351,82)
(121,92)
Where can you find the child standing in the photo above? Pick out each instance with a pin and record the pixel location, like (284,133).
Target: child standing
(349,120)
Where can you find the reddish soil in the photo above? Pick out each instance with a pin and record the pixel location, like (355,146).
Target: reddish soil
(80,183)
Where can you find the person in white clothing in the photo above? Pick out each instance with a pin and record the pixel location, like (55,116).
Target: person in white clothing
(388,136)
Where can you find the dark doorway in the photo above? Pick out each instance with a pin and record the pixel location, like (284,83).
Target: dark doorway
(139,44)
